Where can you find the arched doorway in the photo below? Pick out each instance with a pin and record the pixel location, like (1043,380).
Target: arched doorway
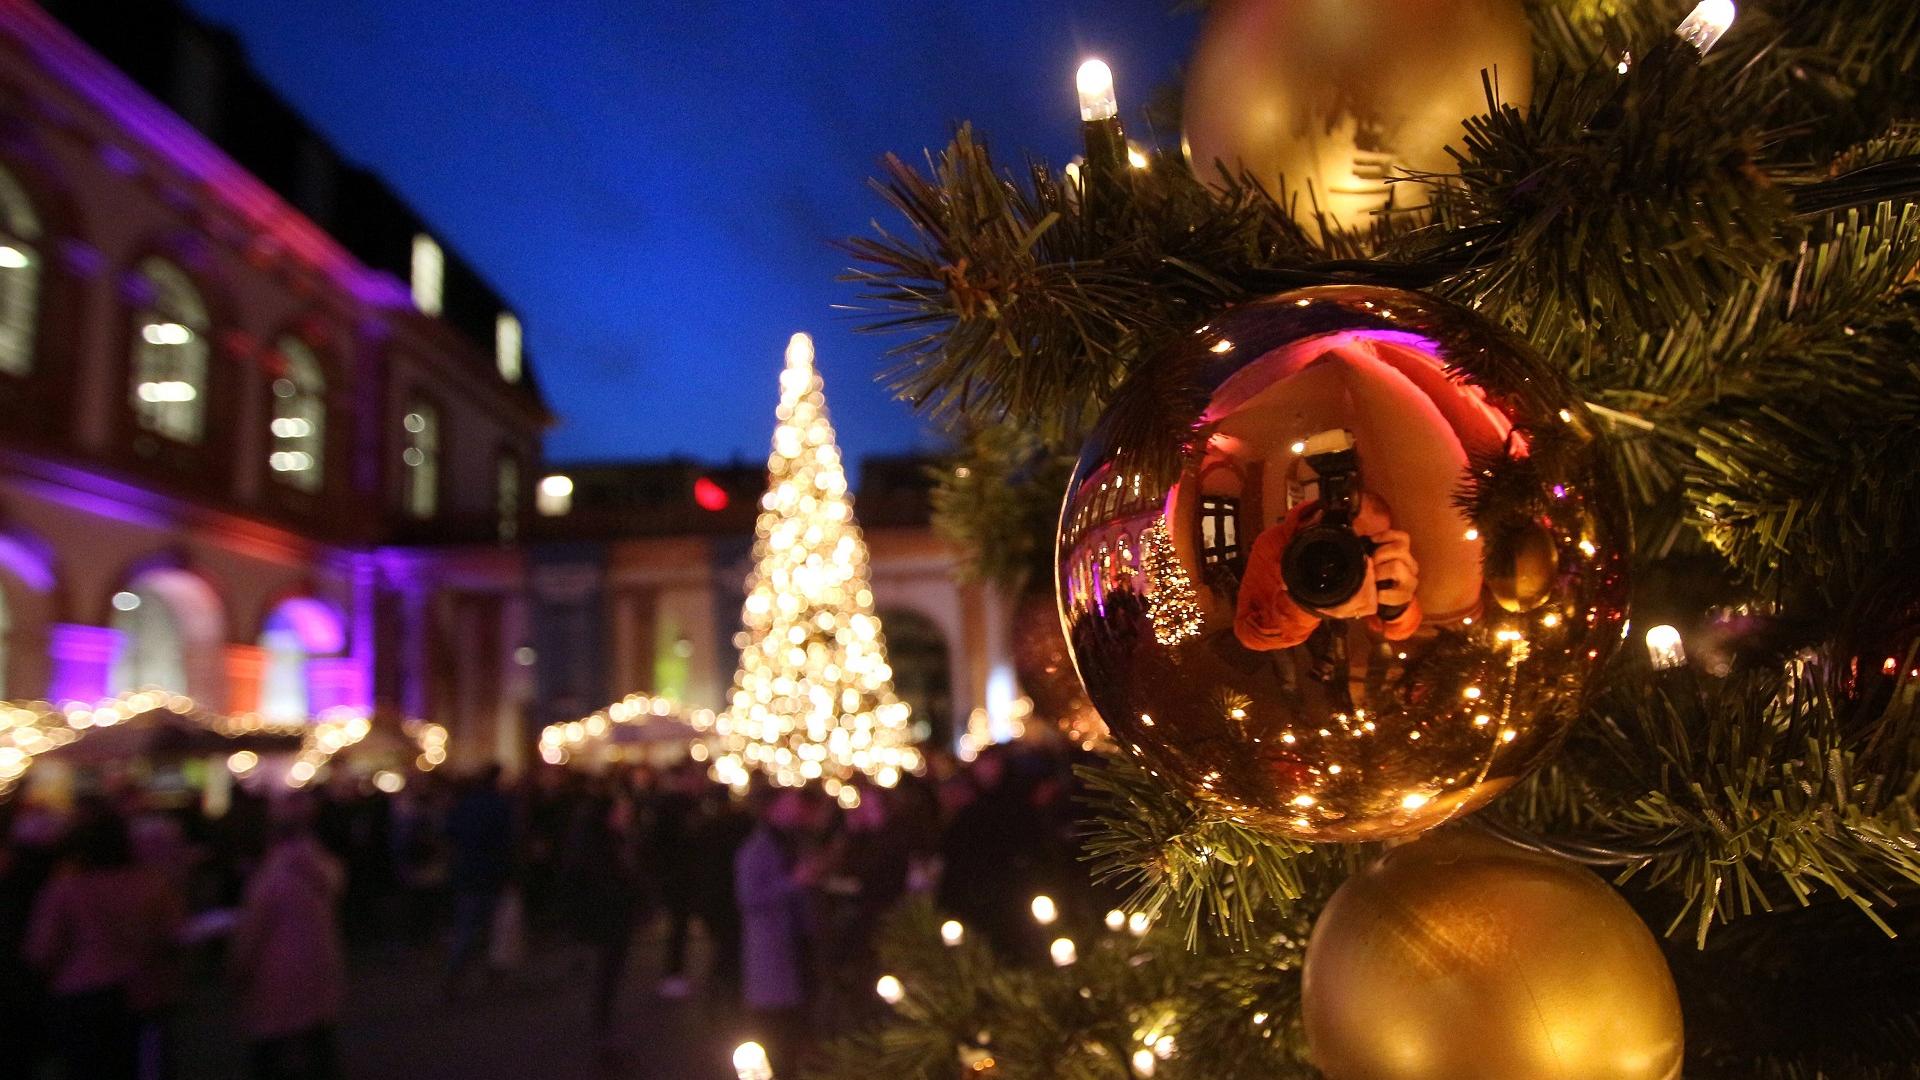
(922,672)
(298,631)
(171,635)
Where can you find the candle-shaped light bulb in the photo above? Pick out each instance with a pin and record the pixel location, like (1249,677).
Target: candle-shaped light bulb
(952,932)
(1063,952)
(1139,923)
(1664,648)
(1044,910)
(1116,920)
(890,990)
(1709,20)
(1095,83)
(750,1062)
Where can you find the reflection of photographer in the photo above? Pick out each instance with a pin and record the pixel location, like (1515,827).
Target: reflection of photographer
(1333,558)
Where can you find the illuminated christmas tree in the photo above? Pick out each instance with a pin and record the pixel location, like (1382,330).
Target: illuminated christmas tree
(813,697)
(1172,605)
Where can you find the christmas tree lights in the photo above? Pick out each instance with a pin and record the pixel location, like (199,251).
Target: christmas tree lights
(1173,605)
(813,697)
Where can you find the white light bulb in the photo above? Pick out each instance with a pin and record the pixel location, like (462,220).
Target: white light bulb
(1664,648)
(1063,952)
(750,1062)
(799,351)
(1095,83)
(1116,920)
(12,258)
(890,990)
(952,932)
(1703,27)
(1045,912)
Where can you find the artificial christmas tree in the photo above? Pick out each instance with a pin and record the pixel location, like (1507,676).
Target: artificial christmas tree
(813,698)
(1709,234)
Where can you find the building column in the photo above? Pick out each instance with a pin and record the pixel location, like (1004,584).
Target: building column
(246,666)
(337,682)
(82,661)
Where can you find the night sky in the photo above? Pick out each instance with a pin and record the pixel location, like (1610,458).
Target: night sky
(656,186)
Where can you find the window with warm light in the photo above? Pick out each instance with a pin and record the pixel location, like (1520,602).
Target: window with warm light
(19,276)
(170,354)
(429,274)
(507,345)
(508,498)
(299,423)
(555,496)
(422,459)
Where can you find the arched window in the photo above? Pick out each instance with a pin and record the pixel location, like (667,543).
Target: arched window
(296,632)
(19,276)
(170,354)
(422,458)
(299,417)
(171,634)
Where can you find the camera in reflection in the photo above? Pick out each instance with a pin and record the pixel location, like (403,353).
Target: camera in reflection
(1325,564)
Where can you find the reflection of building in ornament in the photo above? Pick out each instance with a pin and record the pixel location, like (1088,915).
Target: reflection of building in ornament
(1171,602)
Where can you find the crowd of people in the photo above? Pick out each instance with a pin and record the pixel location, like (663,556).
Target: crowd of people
(765,902)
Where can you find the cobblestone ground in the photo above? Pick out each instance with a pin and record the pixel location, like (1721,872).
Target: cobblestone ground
(531,1023)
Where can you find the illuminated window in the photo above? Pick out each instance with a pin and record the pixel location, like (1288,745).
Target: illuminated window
(509,496)
(299,417)
(1220,531)
(555,497)
(19,277)
(429,274)
(506,346)
(170,354)
(422,459)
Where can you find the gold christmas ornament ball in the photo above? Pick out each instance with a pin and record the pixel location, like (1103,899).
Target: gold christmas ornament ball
(1457,955)
(1276,571)
(1338,95)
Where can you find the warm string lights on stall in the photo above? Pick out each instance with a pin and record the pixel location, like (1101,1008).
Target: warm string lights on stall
(561,743)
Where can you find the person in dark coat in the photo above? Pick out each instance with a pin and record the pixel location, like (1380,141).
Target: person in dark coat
(480,835)
(600,869)
(721,828)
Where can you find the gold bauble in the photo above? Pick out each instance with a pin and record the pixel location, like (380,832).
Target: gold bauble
(1338,95)
(1521,564)
(1262,667)
(1458,955)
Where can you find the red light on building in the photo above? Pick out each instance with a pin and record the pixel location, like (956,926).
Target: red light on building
(709,495)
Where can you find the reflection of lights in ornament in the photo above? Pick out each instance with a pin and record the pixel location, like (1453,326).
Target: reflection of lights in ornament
(167,391)
(1472,534)
(1045,912)
(890,990)
(1664,648)
(1892,665)
(1471,693)
(166,333)
(1144,1061)
(750,1062)
(952,932)
(1221,346)
(1063,952)
(1137,158)
(12,258)
(1094,81)
(1415,801)
(126,601)
(1703,27)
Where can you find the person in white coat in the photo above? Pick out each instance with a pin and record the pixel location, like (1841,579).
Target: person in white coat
(773,877)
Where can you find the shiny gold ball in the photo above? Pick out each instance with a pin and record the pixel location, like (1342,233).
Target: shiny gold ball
(1457,955)
(1521,565)
(1275,573)
(1332,97)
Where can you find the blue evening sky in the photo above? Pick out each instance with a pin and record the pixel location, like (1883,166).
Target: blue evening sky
(656,186)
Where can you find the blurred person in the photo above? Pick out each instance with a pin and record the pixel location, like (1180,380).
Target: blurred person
(600,868)
(287,957)
(27,860)
(774,874)
(986,855)
(418,846)
(480,836)
(722,828)
(670,856)
(98,929)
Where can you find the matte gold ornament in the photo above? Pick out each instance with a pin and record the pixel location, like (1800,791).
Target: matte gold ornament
(1325,465)
(1339,95)
(1458,955)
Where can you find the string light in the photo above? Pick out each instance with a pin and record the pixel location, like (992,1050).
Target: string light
(1703,27)
(1116,920)
(1063,952)
(890,990)
(750,1062)
(1094,81)
(1664,648)
(1045,911)
(952,932)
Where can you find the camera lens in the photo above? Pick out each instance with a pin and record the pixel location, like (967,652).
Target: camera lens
(1324,566)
